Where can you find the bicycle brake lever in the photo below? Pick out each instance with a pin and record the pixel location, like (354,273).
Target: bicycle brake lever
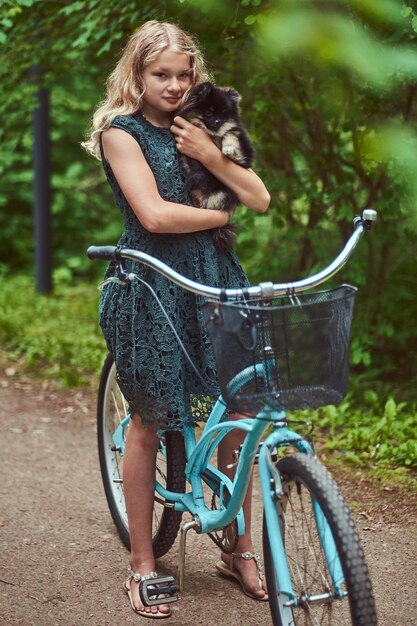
(115,279)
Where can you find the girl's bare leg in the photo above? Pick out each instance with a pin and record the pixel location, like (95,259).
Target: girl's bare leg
(139,465)
(247,568)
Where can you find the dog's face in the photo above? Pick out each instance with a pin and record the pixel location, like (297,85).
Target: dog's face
(214,106)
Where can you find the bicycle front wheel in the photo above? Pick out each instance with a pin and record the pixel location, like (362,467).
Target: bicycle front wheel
(305,481)
(111,410)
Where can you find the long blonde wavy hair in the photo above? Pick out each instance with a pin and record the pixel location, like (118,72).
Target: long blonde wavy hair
(125,89)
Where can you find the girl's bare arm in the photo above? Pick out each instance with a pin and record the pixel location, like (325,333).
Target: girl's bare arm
(139,187)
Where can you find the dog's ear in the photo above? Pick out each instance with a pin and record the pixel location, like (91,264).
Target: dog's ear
(204,90)
(197,95)
(233,94)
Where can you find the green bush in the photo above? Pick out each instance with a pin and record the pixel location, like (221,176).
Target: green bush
(54,336)
(370,430)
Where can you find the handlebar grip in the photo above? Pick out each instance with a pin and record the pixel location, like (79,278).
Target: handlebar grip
(103,253)
(366,219)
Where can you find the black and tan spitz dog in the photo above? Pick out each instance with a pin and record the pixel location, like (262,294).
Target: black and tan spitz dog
(215,110)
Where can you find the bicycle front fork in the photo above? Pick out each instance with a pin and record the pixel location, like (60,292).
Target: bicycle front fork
(272,490)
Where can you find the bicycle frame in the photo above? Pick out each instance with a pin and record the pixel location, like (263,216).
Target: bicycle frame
(199,453)
(199,470)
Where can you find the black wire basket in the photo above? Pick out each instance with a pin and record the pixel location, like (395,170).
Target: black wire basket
(289,352)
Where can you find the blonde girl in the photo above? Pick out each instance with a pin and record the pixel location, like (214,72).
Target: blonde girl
(137,136)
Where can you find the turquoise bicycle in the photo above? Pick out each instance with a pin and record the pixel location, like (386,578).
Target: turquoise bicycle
(277,349)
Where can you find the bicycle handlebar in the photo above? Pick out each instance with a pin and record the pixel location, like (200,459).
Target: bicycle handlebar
(263,290)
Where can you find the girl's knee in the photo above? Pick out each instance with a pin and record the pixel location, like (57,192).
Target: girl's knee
(144,435)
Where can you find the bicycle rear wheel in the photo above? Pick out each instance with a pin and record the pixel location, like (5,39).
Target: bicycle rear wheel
(111,410)
(304,481)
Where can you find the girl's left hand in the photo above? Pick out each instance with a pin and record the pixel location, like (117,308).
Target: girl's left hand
(191,140)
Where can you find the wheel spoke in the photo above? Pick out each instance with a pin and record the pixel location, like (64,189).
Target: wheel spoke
(116,406)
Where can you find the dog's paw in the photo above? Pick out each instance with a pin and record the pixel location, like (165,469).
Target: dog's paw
(230,146)
(229,151)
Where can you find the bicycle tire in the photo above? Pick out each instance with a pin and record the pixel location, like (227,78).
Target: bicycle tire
(111,409)
(304,479)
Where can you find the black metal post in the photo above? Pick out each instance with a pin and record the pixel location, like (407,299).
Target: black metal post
(41,188)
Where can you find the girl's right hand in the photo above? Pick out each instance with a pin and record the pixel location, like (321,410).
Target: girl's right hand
(192,141)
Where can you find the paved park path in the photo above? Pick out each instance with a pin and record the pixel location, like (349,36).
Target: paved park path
(62,564)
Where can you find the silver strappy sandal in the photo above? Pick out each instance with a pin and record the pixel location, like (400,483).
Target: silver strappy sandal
(228,570)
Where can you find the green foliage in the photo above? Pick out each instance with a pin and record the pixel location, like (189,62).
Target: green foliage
(372,429)
(55,336)
(338,81)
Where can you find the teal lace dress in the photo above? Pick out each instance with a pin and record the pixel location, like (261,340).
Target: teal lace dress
(152,370)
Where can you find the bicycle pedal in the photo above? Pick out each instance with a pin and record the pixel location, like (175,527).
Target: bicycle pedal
(152,588)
